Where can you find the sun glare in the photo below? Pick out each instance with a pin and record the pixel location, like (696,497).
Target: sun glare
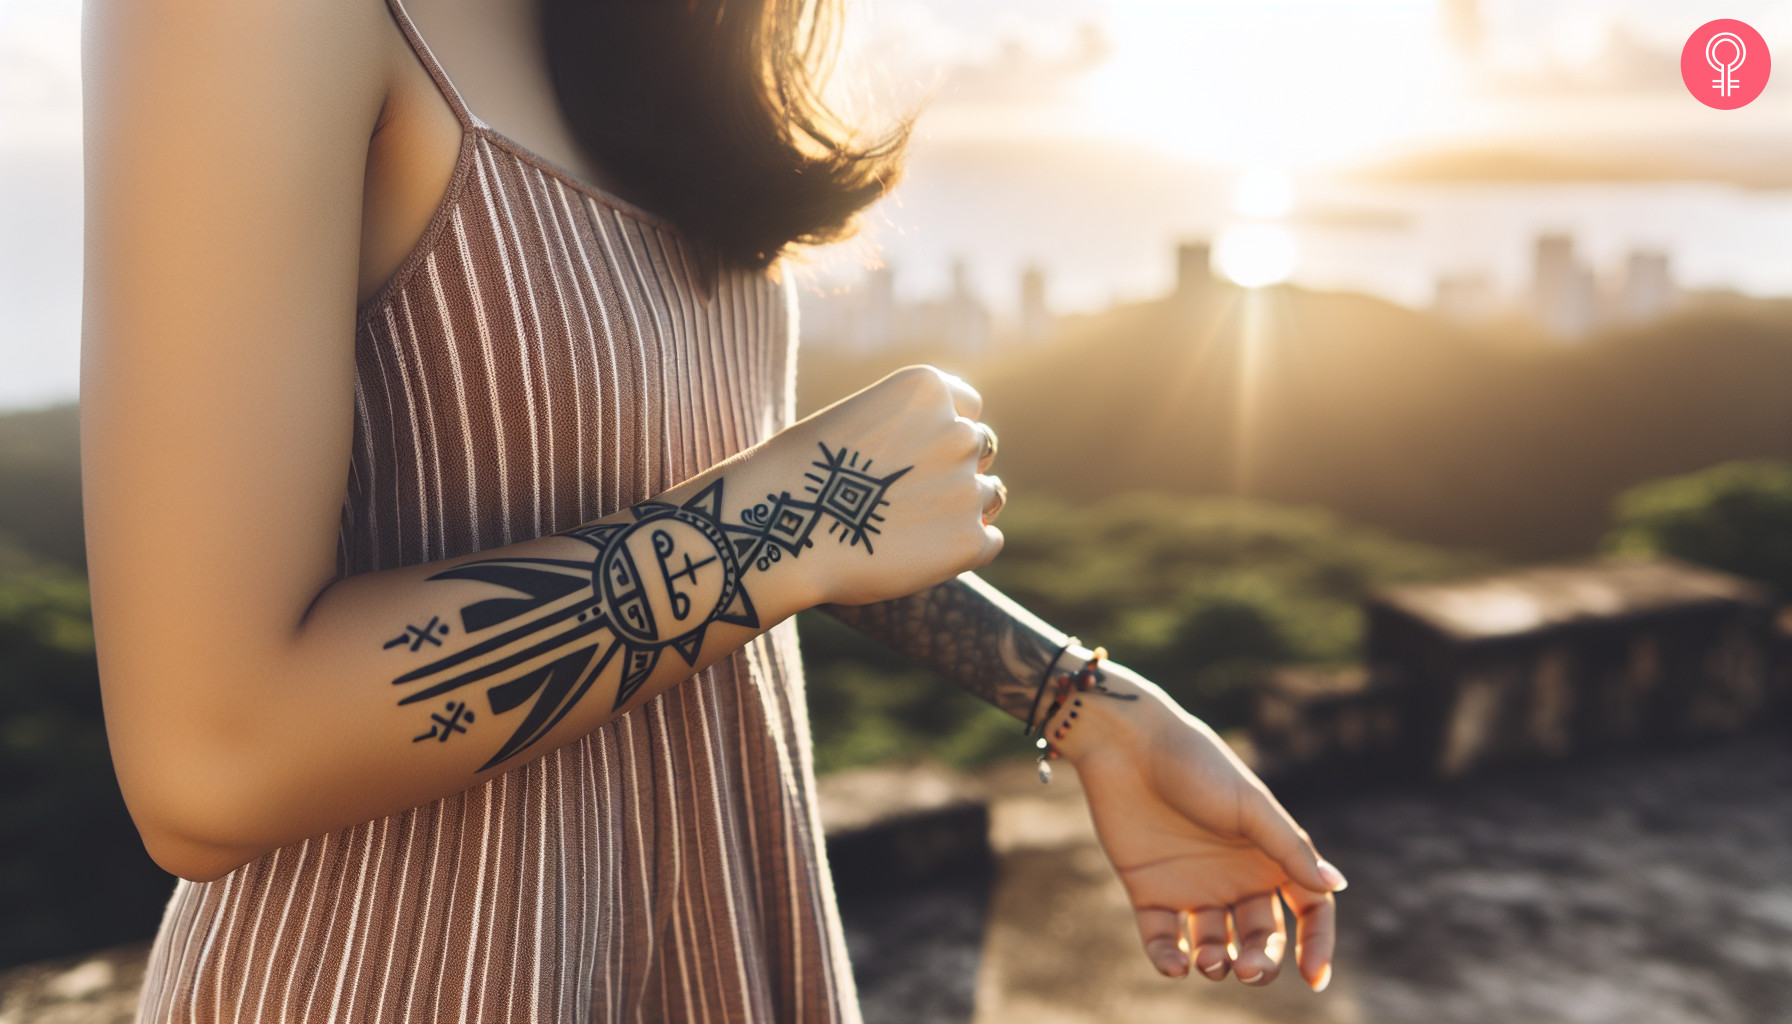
(1254,255)
(1263,192)
(1296,83)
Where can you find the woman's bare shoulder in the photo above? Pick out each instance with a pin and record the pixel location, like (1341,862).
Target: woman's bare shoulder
(181,63)
(226,150)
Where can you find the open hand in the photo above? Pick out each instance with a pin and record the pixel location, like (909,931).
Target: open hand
(1197,839)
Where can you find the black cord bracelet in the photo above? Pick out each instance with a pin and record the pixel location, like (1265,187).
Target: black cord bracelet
(1045,681)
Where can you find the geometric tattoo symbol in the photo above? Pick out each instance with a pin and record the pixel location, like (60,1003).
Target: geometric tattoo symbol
(417,636)
(848,496)
(457,710)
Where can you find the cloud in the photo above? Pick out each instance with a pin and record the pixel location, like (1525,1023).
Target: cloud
(1023,72)
(975,54)
(40,75)
(1624,62)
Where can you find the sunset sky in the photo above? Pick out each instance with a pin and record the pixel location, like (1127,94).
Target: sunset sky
(1089,135)
(1303,82)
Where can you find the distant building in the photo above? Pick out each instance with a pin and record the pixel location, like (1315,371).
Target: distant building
(1035,316)
(860,319)
(1194,268)
(876,326)
(823,317)
(1466,298)
(1567,300)
(967,323)
(867,316)
(1648,290)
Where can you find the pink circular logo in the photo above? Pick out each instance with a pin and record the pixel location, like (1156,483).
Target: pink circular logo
(1725,64)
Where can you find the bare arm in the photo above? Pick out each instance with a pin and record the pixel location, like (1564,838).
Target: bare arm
(252,698)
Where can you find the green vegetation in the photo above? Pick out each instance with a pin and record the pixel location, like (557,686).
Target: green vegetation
(1736,517)
(73,874)
(40,483)
(1198,594)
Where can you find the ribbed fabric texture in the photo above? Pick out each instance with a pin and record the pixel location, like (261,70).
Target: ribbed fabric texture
(548,355)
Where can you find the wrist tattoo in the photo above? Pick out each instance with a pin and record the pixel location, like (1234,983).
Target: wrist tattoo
(652,584)
(969,632)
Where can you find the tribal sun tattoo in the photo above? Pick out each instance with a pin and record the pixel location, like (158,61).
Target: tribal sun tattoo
(653,584)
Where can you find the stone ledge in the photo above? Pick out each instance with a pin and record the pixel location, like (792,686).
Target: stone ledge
(93,988)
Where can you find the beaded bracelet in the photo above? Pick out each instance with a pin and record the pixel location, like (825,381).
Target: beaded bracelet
(1065,684)
(1045,679)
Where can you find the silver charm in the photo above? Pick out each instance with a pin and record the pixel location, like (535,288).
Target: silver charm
(1045,764)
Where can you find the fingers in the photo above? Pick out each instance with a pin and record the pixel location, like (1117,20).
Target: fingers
(1250,940)
(965,399)
(1316,935)
(1161,932)
(1269,826)
(992,546)
(975,441)
(1261,939)
(993,495)
(1211,939)
(927,384)
(980,442)
(986,453)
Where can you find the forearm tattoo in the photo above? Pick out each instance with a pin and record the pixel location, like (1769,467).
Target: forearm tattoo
(969,632)
(652,584)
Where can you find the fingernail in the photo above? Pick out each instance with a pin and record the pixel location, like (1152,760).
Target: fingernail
(1333,877)
(1172,964)
(1249,979)
(1325,978)
(1215,970)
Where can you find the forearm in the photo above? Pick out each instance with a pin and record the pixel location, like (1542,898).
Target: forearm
(407,685)
(971,633)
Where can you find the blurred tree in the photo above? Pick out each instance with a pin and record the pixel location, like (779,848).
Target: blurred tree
(40,483)
(1736,516)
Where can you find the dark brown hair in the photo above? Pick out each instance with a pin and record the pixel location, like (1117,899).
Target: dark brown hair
(709,113)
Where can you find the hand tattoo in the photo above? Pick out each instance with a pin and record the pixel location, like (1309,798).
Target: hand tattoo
(969,632)
(655,583)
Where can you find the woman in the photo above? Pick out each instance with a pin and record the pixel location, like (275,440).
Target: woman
(450,666)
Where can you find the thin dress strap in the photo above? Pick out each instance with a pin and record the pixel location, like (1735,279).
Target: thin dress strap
(467,118)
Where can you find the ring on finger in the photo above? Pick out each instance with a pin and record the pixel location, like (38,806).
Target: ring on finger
(989,441)
(994,508)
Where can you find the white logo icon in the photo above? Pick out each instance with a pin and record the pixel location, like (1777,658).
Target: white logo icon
(1725,83)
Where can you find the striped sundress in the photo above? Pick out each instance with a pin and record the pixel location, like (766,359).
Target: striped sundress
(546,355)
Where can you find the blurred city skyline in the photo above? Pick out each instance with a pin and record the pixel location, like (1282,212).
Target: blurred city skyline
(1563,302)
(1412,143)
(1381,147)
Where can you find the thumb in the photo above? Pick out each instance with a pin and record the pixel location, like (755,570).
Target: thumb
(1161,931)
(1276,834)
